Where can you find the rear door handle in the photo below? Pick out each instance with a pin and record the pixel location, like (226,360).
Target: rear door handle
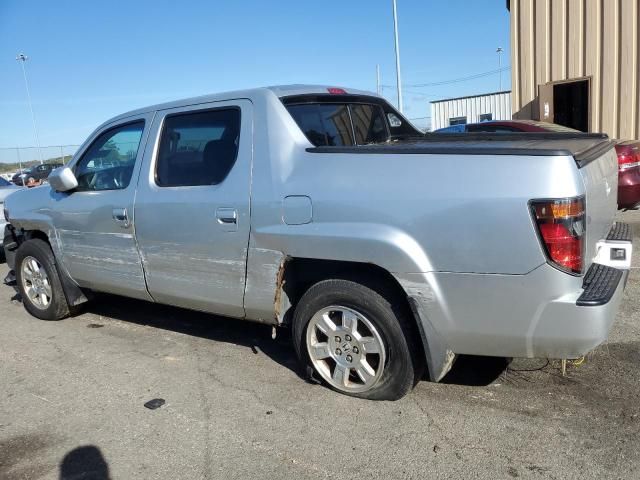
(228,218)
(121,217)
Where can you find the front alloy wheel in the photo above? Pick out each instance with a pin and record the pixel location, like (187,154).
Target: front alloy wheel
(36,283)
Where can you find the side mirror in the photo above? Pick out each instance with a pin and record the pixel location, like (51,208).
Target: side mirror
(62,179)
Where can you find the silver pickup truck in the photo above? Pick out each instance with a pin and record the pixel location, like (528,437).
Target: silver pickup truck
(387,252)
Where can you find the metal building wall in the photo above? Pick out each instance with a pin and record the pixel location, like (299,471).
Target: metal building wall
(555,40)
(498,104)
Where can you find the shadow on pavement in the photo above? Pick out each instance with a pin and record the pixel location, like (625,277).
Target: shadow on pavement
(84,462)
(254,336)
(476,371)
(469,370)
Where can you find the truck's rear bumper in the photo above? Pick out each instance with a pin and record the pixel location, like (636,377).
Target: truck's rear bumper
(544,313)
(569,327)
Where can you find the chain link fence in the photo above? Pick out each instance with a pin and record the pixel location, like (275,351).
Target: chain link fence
(13,159)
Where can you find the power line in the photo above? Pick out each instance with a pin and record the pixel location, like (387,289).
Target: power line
(455,80)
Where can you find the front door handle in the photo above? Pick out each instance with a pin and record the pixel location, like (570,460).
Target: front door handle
(121,217)
(228,218)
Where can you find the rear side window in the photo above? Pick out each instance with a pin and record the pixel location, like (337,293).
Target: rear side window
(324,124)
(335,125)
(369,125)
(198,148)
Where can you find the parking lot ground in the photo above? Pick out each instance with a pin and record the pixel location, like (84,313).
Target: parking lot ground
(72,397)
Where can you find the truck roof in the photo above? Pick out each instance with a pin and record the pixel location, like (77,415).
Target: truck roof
(279,90)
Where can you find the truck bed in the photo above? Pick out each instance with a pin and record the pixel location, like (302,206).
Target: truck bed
(583,147)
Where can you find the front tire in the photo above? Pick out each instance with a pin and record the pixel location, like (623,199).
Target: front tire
(38,281)
(358,339)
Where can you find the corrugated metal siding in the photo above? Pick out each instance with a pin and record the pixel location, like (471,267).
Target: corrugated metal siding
(555,40)
(498,104)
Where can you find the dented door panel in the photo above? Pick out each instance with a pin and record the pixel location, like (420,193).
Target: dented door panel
(193,239)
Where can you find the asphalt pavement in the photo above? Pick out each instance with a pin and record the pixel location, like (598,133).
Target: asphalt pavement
(73,394)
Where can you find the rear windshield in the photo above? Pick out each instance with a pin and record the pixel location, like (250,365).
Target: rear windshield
(339,124)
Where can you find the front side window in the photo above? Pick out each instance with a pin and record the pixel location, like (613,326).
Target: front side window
(198,148)
(108,163)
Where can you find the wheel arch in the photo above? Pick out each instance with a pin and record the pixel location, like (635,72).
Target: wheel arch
(74,294)
(297,274)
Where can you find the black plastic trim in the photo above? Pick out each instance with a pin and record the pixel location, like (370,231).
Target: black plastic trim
(600,283)
(394,149)
(589,155)
(457,141)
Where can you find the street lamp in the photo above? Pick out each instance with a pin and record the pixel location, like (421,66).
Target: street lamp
(499,52)
(22,58)
(395,33)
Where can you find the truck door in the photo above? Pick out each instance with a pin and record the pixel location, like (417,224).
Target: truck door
(192,206)
(94,223)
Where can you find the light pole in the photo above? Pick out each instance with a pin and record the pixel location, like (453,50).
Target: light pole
(395,32)
(22,58)
(499,52)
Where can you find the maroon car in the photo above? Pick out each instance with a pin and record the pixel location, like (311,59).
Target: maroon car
(628,153)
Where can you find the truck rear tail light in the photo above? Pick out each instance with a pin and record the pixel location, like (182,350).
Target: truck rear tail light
(336,91)
(628,157)
(561,225)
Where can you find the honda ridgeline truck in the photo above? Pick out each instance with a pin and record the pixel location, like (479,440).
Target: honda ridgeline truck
(386,251)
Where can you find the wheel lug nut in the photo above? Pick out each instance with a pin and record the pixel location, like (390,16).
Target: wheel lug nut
(347,338)
(349,358)
(338,339)
(338,351)
(355,349)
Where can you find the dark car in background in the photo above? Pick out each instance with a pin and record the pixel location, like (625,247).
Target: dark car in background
(628,152)
(39,172)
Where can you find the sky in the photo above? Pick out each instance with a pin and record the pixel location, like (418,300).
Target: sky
(89,61)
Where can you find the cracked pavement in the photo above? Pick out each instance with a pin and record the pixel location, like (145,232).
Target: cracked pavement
(72,396)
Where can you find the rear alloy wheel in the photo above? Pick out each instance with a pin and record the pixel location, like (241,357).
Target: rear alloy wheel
(345,349)
(358,338)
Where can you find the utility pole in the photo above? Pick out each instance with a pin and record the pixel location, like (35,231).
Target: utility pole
(19,159)
(22,58)
(395,32)
(499,52)
(378,80)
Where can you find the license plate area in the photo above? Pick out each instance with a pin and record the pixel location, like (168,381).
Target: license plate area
(614,254)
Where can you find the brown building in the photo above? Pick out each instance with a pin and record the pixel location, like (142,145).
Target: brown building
(575,62)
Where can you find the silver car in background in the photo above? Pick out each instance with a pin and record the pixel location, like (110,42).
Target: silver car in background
(322,209)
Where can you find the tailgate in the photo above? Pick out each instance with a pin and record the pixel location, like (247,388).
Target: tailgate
(600,177)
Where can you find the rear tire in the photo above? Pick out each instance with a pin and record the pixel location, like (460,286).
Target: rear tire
(38,281)
(378,359)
